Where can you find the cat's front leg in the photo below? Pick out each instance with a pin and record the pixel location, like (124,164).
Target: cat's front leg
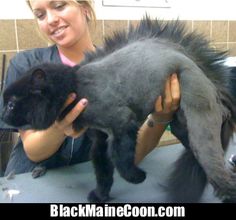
(103,168)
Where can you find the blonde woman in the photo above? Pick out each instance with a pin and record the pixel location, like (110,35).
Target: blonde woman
(66,24)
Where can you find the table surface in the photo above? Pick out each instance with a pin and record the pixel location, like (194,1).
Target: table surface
(73,183)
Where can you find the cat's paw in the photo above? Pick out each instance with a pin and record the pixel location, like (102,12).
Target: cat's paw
(93,197)
(38,171)
(135,176)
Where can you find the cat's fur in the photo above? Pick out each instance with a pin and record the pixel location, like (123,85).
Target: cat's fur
(122,82)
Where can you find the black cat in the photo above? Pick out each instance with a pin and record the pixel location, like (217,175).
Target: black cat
(122,81)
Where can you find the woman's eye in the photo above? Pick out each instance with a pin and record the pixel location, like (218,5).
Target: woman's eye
(59,5)
(39,15)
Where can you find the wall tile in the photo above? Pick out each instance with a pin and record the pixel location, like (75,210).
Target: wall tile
(219,31)
(133,23)
(189,26)
(9,55)
(232,31)
(111,25)
(220,46)
(97,32)
(203,27)
(232,49)
(7,35)
(28,35)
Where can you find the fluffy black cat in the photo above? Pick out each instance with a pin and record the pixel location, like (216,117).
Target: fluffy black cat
(122,80)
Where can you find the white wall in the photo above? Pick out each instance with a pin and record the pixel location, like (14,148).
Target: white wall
(14,9)
(183,9)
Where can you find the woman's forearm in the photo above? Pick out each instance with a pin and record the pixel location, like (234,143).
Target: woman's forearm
(40,145)
(150,133)
(148,138)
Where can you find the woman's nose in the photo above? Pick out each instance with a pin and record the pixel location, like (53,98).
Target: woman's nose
(52,18)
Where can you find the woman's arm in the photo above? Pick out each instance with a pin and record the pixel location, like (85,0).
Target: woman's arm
(151,131)
(40,145)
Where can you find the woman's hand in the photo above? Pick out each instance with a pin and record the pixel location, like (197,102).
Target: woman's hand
(166,106)
(150,135)
(65,125)
(40,145)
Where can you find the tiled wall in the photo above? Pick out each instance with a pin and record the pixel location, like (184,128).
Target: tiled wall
(17,35)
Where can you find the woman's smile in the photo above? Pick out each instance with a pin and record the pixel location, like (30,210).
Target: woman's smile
(59,32)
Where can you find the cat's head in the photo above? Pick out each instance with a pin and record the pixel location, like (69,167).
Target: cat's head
(32,101)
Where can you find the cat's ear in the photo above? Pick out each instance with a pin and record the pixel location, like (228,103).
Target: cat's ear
(38,77)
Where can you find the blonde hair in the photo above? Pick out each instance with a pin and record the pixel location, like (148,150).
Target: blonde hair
(91,16)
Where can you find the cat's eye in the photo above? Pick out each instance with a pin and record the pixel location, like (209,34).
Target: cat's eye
(10,105)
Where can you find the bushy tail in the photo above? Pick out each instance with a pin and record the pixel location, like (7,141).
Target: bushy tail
(187,181)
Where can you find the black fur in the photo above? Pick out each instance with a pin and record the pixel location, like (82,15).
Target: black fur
(121,82)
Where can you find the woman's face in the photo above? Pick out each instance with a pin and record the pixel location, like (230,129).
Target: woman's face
(64,21)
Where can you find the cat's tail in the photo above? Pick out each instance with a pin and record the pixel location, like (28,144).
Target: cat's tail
(187,180)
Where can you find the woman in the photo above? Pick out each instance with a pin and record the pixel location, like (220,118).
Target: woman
(65,23)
